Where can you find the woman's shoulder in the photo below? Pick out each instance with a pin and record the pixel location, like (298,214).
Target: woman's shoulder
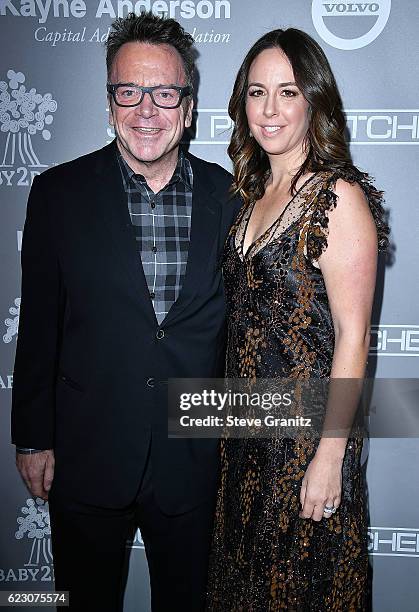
(349,190)
(348,180)
(354,189)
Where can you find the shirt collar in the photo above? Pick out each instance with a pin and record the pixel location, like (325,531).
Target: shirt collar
(182,172)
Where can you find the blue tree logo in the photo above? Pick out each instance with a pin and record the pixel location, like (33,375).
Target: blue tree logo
(23,114)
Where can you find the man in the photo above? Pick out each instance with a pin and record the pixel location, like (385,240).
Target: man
(122,249)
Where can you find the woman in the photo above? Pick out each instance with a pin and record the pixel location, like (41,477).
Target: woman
(300,268)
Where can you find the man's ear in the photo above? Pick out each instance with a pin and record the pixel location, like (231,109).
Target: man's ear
(188,115)
(110,114)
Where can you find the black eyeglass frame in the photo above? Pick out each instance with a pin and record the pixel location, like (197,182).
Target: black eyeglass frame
(184,92)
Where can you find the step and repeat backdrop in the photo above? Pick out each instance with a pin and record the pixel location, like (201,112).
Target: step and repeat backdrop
(53,108)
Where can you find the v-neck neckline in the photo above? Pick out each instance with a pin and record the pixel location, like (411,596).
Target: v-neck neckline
(277,220)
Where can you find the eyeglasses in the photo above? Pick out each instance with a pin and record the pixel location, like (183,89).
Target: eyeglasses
(163,96)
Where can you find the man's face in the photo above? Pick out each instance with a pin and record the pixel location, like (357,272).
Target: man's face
(147,134)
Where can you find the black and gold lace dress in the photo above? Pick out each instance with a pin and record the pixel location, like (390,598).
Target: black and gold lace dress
(264,557)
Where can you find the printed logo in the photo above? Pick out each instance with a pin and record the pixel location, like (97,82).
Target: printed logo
(12,324)
(213,126)
(185,9)
(210,37)
(382,541)
(24,116)
(6,382)
(327,16)
(393,541)
(34,525)
(395,340)
(383,126)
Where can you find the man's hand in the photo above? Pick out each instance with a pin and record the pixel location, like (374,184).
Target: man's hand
(37,470)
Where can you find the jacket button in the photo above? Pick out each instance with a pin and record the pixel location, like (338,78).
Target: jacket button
(150,382)
(160,334)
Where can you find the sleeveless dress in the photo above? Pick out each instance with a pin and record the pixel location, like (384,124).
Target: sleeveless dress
(264,557)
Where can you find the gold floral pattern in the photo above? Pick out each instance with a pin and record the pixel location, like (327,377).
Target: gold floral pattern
(264,556)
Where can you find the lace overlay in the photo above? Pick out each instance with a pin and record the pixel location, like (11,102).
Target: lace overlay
(264,557)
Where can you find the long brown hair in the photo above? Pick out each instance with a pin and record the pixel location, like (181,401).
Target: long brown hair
(325,143)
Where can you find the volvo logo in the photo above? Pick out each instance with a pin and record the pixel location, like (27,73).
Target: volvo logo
(325,17)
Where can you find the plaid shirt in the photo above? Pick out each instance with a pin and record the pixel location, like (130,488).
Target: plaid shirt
(161,223)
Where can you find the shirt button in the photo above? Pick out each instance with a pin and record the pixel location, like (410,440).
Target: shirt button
(154,249)
(152,295)
(153,204)
(160,334)
(150,382)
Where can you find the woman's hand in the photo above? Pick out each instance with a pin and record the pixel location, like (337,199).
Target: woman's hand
(321,486)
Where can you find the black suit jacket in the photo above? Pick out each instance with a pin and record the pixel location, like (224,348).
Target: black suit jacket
(92,362)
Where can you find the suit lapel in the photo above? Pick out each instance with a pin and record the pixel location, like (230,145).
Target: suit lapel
(114,210)
(205,224)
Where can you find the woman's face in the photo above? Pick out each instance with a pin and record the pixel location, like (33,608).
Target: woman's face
(277,112)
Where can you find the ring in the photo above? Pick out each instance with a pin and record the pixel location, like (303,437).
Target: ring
(330,509)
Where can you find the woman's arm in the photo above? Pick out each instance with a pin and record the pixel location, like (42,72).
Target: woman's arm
(349,267)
